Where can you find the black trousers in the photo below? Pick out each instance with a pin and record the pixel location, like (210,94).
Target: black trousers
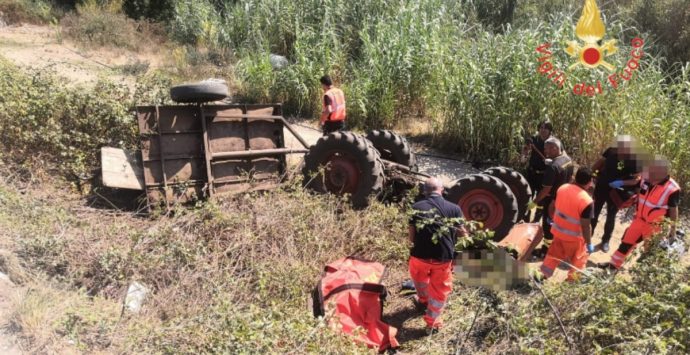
(332,126)
(546,220)
(602,196)
(534,179)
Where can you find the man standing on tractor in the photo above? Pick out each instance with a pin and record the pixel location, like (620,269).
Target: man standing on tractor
(657,200)
(333,113)
(558,171)
(617,176)
(572,241)
(433,231)
(534,146)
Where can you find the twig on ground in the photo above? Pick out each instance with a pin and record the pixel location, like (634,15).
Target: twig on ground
(467,336)
(555,312)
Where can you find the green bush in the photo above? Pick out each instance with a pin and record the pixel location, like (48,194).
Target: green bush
(43,121)
(28,11)
(97,25)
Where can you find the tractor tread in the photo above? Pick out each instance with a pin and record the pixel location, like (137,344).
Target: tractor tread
(392,147)
(361,149)
(499,189)
(517,184)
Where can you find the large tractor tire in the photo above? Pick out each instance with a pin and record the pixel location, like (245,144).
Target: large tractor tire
(205,91)
(392,147)
(516,182)
(344,163)
(486,199)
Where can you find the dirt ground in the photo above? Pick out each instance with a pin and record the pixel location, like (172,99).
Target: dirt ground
(8,343)
(43,47)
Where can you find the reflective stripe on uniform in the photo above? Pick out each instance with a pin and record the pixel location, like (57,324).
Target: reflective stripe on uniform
(565,231)
(435,303)
(667,191)
(660,203)
(421,289)
(432,314)
(567,218)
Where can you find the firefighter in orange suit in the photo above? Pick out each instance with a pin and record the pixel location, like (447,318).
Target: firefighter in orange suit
(333,113)
(571,227)
(433,250)
(658,198)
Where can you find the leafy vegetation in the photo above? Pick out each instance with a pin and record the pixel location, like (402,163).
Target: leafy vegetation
(28,11)
(96,25)
(234,277)
(43,121)
(469,69)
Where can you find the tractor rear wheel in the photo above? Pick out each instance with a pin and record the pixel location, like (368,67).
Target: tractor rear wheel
(392,147)
(486,199)
(517,184)
(344,163)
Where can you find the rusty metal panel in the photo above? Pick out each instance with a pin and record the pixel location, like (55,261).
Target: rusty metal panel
(246,169)
(179,193)
(178,143)
(182,144)
(228,136)
(177,171)
(172,119)
(264,134)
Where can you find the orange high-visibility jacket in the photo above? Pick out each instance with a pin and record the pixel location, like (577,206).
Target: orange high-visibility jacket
(652,204)
(571,201)
(336,110)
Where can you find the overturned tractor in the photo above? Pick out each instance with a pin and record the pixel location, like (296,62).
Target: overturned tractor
(195,150)
(362,167)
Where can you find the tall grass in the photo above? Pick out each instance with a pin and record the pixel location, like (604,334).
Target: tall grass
(473,80)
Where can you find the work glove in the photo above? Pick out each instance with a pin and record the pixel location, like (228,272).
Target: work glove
(617,184)
(531,205)
(590,248)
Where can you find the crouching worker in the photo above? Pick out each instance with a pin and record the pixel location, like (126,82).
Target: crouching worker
(571,227)
(658,198)
(433,231)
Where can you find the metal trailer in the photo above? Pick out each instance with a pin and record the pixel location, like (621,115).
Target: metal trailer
(200,150)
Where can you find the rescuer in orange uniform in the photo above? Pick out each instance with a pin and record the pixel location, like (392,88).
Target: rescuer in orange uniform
(658,198)
(571,227)
(333,113)
(433,250)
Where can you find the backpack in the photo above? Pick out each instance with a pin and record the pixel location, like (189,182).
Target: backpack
(352,286)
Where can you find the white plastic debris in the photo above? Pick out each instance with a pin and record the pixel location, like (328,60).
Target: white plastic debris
(277,61)
(136,295)
(5,278)
(675,246)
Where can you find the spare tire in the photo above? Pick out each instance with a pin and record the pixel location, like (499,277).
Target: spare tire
(205,91)
(486,199)
(516,182)
(392,147)
(351,165)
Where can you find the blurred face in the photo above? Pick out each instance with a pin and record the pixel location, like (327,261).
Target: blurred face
(657,172)
(551,150)
(324,87)
(624,147)
(544,132)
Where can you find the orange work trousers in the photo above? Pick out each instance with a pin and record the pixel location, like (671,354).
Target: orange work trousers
(638,231)
(433,281)
(565,249)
